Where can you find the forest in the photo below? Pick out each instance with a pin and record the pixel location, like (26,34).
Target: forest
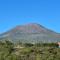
(28,51)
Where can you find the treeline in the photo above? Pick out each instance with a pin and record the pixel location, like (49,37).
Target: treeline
(30,51)
(47,44)
(41,44)
(9,43)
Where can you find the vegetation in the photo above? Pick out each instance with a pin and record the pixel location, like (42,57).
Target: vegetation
(27,51)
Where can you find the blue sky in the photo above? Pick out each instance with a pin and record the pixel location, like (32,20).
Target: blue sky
(19,12)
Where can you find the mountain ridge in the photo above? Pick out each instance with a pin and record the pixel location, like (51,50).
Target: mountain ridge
(31,32)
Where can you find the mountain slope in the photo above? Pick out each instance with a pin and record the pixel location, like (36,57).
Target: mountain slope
(32,33)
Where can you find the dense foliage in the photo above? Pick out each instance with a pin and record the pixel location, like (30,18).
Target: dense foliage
(27,51)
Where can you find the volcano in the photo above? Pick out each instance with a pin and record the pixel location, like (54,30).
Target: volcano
(31,33)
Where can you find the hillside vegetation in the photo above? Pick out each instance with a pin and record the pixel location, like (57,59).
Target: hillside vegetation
(27,51)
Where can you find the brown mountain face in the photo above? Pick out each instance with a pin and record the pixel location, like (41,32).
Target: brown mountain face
(32,28)
(31,33)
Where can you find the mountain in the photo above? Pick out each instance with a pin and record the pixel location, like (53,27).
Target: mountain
(31,33)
